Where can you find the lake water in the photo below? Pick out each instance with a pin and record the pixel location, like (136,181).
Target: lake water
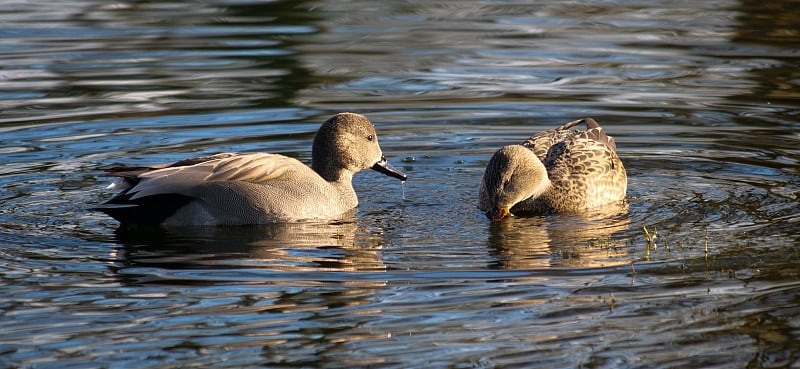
(703,98)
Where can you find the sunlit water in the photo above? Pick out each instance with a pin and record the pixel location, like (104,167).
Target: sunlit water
(702,96)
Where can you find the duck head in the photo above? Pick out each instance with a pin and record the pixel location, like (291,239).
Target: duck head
(512,175)
(347,143)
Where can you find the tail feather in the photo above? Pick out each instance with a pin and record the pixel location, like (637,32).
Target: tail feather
(593,131)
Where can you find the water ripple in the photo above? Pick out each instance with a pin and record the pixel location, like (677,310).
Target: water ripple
(701,99)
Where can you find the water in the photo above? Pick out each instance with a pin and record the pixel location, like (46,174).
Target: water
(702,97)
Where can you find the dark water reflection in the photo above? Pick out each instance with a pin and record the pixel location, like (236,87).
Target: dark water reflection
(701,96)
(284,247)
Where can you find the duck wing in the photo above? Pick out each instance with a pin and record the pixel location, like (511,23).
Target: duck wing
(130,174)
(582,165)
(151,194)
(542,142)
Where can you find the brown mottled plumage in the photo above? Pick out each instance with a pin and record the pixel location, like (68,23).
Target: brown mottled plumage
(232,188)
(558,170)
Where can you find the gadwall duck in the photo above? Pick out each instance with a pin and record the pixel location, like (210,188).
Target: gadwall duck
(256,188)
(558,170)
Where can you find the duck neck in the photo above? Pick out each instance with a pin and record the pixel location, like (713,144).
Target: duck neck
(544,178)
(329,164)
(339,178)
(324,159)
(329,170)
(541,188)
(344,187)
(323,172)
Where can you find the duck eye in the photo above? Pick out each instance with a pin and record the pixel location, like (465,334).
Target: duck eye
(370,137)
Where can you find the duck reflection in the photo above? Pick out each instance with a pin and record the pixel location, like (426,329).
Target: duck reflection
(576,240)
(315,246)
(298,285)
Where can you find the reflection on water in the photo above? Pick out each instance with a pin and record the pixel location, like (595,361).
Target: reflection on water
(577,240)
(292,247)
(701,96)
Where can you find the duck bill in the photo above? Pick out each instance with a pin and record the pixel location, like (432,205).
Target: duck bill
(384,167)
(497,213)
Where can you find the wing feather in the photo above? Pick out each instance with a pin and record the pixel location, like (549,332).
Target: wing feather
(257,168)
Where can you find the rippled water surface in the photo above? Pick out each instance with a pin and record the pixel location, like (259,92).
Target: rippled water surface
(703,98)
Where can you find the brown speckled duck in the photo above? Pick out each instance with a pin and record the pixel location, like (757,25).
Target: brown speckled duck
(554,171)
(255,188)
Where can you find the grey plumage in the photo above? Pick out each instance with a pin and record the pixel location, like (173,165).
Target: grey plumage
(256,188)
